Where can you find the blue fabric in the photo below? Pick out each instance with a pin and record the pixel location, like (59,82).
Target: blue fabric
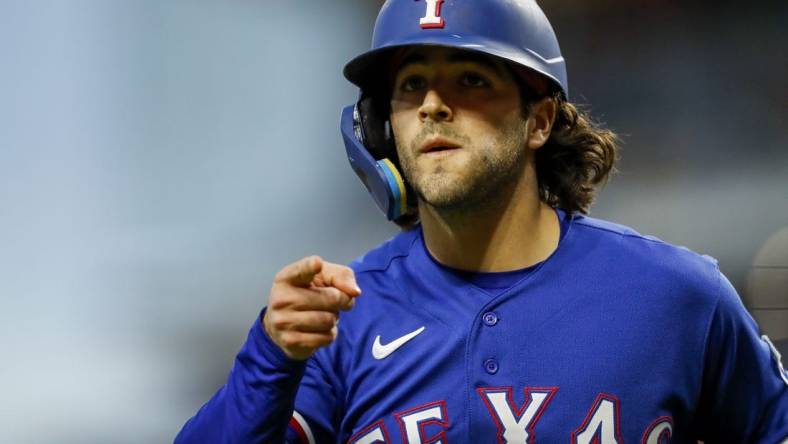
(615,333)
(493,282)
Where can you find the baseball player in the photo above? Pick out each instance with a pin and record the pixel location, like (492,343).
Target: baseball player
(501,313)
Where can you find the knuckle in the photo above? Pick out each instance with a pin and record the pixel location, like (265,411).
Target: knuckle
(327,319)
(335,296)
(317,322)
(281,275)
(324,299)
(278,321)
(288,340)
(306,264)
(284,340)
(324,340)
(278,300)
(275,303)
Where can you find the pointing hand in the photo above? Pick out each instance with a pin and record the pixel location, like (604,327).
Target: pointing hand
(304,305)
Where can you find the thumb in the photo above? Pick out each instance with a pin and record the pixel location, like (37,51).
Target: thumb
(340,277)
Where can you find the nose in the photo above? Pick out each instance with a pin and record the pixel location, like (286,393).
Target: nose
(433,107)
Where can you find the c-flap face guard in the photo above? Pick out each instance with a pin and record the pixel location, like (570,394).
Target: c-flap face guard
(380,177)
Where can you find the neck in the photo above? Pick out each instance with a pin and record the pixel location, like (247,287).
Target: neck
(511,231)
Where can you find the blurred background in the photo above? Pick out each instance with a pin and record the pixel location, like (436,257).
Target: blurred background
(160,161)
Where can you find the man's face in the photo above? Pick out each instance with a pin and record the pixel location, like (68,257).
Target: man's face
(458,124)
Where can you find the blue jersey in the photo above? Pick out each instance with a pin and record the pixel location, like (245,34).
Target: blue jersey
(616,337)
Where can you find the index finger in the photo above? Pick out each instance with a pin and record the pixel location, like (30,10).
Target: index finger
(300,273)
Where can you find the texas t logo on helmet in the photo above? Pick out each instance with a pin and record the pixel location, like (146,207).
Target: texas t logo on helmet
(433,18)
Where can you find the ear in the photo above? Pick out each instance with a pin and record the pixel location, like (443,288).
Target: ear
(540,122)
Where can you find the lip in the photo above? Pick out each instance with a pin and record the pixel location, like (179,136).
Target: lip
(430,145)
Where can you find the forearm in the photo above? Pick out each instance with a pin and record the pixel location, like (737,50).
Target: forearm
(255,404)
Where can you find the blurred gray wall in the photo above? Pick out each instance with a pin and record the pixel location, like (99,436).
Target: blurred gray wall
(159,161)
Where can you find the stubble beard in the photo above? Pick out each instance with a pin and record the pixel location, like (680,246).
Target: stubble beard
(493,166)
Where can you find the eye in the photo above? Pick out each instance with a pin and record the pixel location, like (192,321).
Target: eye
(474,80)
(413,83)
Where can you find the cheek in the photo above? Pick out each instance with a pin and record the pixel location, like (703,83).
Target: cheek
(484,132)
(401,127)
(490,115)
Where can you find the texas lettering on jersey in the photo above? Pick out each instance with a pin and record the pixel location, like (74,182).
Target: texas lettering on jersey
(515,425)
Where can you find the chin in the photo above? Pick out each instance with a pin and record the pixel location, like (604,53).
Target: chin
(443,193)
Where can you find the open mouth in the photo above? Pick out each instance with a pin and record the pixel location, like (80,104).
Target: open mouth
(440,148)
(438,145)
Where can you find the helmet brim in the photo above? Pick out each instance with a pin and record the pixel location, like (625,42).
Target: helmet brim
(368,69)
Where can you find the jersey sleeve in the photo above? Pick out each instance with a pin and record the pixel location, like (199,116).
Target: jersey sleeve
(745,390)
(318,411)
(256,404)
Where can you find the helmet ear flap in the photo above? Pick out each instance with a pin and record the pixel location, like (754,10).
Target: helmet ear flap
(376,128)
(374,114)
(373,156)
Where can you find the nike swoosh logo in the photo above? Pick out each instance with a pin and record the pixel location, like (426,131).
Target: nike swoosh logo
(380,351)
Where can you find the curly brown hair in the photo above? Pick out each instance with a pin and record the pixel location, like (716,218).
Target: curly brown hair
(578,158)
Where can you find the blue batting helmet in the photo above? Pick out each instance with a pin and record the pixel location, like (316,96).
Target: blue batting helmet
(516,31)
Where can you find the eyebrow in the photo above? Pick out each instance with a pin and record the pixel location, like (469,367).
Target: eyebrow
(457,57)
